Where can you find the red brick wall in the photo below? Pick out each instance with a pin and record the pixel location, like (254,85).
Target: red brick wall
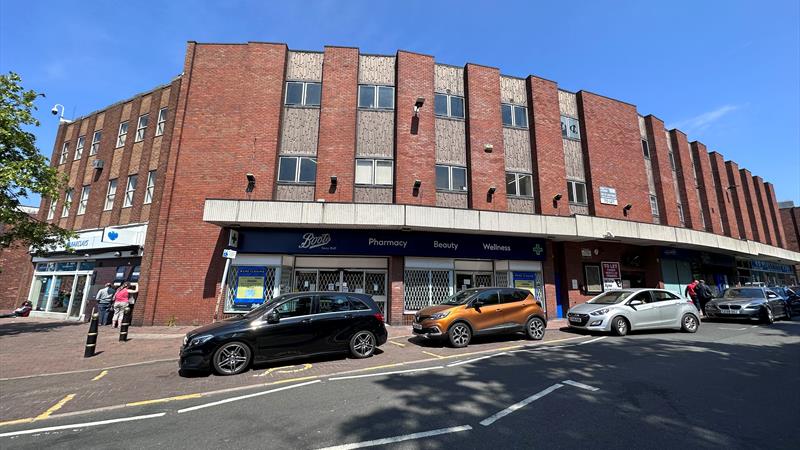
(780,232)
(15,276)
(549,274)
(662,171)
(738,201)
(415,138)
(750,198)
(613,157)
(686,184)
(790,219)
(549,172)
(337,124)
(396,290)
(724,201)
(762,199)
(708,194)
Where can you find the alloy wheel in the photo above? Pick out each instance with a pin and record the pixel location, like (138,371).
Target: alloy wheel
(460,335)
(536,329)
(363,343)
(622,327)
(232,358)
(690,323)
(770,316)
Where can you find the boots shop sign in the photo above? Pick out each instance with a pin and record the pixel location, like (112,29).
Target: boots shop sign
(387,242)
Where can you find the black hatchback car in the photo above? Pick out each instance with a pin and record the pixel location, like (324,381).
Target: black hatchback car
(287,327)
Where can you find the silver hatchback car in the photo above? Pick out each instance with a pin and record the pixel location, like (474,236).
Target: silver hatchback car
(623,310)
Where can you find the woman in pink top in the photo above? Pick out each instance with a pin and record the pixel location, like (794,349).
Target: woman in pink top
(121,300)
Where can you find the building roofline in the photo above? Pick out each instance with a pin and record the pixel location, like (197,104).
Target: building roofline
(126,100)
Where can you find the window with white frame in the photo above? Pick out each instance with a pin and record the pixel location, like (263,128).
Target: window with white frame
(514,115)
(680,214)
(162,121)
(375,97)
(51,212)
(84,201)
(111,194)
(151,187)
(79,147)
(141,127)
(130,191)
(64,152)
(122,134)
(67,203)
(377,172)
(301,93)
(576,191)
(297,169)
(654,205)
(451,178)
(646,149)
(446,105)
(570,129)
(95,142)
(519,184)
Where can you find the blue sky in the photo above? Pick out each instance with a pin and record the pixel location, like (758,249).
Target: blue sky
(725,72)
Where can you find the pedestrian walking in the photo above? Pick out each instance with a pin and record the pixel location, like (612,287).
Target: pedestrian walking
(704,295)
(690,292)
(121,300)
(105,298)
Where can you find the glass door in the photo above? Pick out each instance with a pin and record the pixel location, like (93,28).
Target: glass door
(78,297)
(40,291)
(62,293)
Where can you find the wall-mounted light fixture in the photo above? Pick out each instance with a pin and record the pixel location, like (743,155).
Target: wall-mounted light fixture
(626,209)
(557,197)
(492,190)
(251,182)
(417,184)
(334,180)
(488,148)
(418,105)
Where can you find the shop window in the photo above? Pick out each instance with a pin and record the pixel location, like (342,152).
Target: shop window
(375,97)
(162,121)
(519,184)
(122,134)
(299,93)
(446,105)
(576,191)
(64,152)
(95,143)
(593,279)
(451,178)
(374,172)
(514,115)
(141,127)
(294,169)
(422,287)
(79,147)
(570,129)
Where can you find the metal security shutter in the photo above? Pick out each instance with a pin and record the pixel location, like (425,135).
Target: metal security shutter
(426,287)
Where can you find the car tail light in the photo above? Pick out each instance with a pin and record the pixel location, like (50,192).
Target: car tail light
(378,316)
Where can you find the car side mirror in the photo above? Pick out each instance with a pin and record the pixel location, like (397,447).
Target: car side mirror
(635,303)
(772,296)
(477,304)
(273,316)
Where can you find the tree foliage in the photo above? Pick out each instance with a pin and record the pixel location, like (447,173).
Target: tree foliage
(24,171)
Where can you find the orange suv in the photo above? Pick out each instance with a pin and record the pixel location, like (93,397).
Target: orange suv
(482,311)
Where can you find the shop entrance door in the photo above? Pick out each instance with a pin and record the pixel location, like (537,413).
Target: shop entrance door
(78,296)
(468,280)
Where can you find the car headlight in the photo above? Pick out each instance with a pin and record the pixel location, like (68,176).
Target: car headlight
(756,306)
(200,340)
(599,312)
(440,315)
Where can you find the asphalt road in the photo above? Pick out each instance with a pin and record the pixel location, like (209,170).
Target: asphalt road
(729,385)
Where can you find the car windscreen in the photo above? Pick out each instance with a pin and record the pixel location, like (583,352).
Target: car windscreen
(744,293)
(610,298)
(460,298)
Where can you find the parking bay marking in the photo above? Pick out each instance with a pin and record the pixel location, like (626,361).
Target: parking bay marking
(101,375)
(244,397)
(81,425)
(405,437)
(592,340)
(285,369)
(394,372)
(580,385)
(54,408)
(467,361)
(500,414)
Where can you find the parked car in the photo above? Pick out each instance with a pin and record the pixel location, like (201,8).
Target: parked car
(622,310)
(473,312)
(750,303)
(787,295)
(794,299)
(286,327)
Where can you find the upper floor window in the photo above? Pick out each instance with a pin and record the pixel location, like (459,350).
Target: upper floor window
(446,105)
(570,129)
(646,149)
(67,203)
(151,186)
(84,201)
(514,115)
(111,194)
(162,121)
(130,191)
(680,214)
(654,205)
(301,93)
(519,184)
(374,172)
(375,97)
(79,148)
(122,134)
(672,161)
(95,142)
(576,191)
(141,126)
(297,169)
(51,212)
(64,152)
(451,178)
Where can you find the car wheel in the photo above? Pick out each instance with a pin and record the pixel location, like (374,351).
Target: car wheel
(459,335)
(534,329)
(232,358)
(768,317)
(689,323)
(362,344)
(619,326)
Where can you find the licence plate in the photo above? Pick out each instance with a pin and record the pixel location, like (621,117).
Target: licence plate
(730,311)
(575,319)
(416,326)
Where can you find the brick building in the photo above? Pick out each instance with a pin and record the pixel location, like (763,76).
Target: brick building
(790,221)
(392,175)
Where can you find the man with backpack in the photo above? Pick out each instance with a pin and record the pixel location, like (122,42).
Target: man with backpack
(704,295)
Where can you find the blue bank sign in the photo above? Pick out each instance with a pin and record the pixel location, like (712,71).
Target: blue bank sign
(389,243)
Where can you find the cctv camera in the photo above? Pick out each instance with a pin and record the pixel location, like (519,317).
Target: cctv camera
(54,111)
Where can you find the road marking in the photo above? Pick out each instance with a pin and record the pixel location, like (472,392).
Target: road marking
(80,425)
(54,408)
(102,374)
(434,354)
(397,343)
(735,329)
(499,415)
(401,337)
(580,385)
(405,437)
(285,369)
(89,370)
(164,400)
(17,421)
(467,361)
(592,340)
(244,397)
(350,377)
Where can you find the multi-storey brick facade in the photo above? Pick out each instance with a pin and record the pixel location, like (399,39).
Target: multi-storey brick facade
(336,168)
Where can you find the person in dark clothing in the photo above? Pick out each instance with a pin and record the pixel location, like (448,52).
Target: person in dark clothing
(704,295)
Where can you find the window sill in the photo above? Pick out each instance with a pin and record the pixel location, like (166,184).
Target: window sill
(379,186)
(457,119)
(448,191)
(361,108)
(521,197)
(514,127)
(297,183)
(302,106)
(570,139)
(578,204)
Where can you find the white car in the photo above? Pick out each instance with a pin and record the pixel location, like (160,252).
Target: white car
(623,310)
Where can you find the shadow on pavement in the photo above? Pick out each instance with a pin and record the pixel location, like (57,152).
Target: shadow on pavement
(15,328)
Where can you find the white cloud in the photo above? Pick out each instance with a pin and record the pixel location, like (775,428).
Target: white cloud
(703,121)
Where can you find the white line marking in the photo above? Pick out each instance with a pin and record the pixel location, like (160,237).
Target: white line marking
(499,415)
(467,361)
(592,340)
(736,329)
(89,370)
(243,397)
(80,425)
(580,385)
(350,377)
(405,437)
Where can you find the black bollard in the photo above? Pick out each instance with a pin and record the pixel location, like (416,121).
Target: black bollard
(123,328)
(91,338)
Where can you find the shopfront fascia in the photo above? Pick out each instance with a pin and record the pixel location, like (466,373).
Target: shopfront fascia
(768,272)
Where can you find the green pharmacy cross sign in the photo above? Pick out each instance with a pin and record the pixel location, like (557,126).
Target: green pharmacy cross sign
(537,249)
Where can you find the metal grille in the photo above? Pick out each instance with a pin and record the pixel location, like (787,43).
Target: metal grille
(483,279)
(269,288)
(286,280)
(328,280)
(441,286)
(375,283)
(354,281)
(305,281)
(426,287)
(501,279)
